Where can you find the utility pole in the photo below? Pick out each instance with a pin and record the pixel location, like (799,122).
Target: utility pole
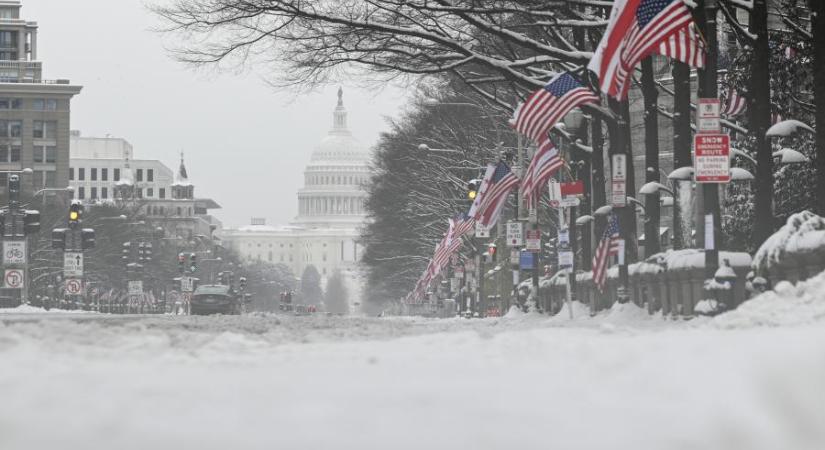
(708,78)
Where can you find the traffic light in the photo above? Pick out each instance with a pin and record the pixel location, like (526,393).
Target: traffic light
(14,188)
(193,263)
(140,247)
(87,236)
(31,222)
(222,278)
(147,252)
(127,252)
(242,283)
(75,213)
(181,263)
(472,189)
(59,238)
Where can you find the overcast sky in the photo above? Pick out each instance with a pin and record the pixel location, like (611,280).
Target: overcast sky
(246,144)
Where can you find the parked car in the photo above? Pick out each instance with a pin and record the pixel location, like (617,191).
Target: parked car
(215,299)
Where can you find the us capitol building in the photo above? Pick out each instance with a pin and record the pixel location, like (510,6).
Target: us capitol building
(330,211)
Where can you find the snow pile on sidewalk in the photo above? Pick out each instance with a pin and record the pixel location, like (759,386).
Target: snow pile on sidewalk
(787,304)
(28,309)
(803,233)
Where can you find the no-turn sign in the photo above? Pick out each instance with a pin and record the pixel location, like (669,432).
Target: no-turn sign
(14,278)
(74,286)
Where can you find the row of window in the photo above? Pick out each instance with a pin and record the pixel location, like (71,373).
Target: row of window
(42,129)
(41,153)
(161,211)
(317,180)
(104,174)
(291,259)
(139,193)
(40,179)
(37,104)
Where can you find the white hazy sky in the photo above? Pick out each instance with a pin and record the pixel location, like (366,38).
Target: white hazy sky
(246,144)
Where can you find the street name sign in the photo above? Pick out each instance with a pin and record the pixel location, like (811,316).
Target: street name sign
(14,252)
(712,153)
(14,278)
(74,286)
(515,234)
(707,116)
(72,264)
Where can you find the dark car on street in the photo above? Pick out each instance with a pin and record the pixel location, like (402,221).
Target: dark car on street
(215,299)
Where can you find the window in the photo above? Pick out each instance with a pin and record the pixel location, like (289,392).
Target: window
(51,178)
(9,153)
(51,154)
(94,193)
(93,175)
(139,193)
(71,173)
(104,174)
(44,104)
(81,193)
(104,193)
(11,128)
(150,192)
(270,257)
(116,174)
(179,215)
(162,193)
(140,174)
(81,174)
(47,154)
(45,129)
(150,175)
(37,179)
(10,103)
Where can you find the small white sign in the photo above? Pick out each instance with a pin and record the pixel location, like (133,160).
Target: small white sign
(565,259)
(458,271)
(455,283)
(14,252)
(74,286)
(619,181)
(187,284)
(515,256)
(555,193)
(533,240)
(619,167)
(707,116)
(622,248)
(72,264)
(515,234)
(136,287)
(567,202)
(482,231)
(710,244)
(14,278)
(564,237)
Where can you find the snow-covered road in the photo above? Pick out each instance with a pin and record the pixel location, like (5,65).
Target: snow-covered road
(619,381)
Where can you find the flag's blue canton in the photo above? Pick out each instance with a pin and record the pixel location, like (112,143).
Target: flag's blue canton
(501,171)
(562,85)
(648,9)
(612,227)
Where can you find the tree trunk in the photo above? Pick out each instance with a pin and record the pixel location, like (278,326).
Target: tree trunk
(652,209)
(760,121)
(681,148)
(818,29)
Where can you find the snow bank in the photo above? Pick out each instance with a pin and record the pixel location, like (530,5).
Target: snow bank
(787,304)
(802,233)
(28,309)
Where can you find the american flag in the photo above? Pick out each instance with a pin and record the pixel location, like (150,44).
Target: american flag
(635,30)
(608,246)
(500,182)
(734,103)
(686,45)
(546,106)
(544,164)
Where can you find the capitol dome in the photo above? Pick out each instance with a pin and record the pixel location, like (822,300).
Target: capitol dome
(333,195)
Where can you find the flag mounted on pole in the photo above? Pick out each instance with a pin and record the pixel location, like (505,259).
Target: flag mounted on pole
(544,164)
(687,46)
(608,246)
(546,106)
(499,181)
(734,103)
(636,29)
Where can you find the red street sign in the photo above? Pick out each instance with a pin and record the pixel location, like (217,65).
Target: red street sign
(712,161)
(572,188)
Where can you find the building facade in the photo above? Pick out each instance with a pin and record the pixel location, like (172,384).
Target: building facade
(326,232)
(34,113)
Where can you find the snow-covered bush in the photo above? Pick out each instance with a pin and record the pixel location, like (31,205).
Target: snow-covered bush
(804,233)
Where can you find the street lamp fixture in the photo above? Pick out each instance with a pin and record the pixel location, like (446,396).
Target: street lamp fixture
(790,156)
(740,174)
(654,187)
(681,174)
(787,128)
(603,211)
(426,148)
(584,220)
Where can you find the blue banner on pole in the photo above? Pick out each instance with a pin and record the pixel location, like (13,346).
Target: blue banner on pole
(526,260)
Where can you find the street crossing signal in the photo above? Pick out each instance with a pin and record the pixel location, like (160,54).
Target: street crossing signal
(31,222)
(242,283)
(181,263)
(147,251)
(491,252)
(75,213)
(88,240)
(59,238)
(127,252)
(193,263)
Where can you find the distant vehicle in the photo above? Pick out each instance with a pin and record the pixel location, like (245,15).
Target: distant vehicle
(215,299)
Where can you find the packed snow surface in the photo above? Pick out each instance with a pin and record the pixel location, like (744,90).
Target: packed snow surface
(623,379)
